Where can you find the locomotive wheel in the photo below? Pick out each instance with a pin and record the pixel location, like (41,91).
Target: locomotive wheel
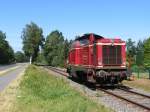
(73,74)
(81,76)
(91,75)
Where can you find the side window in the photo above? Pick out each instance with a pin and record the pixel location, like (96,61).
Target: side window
(84,42)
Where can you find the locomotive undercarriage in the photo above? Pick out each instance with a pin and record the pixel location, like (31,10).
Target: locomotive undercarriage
(110,76)
(99,76)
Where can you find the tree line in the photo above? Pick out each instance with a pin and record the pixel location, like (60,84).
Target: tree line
(138,55)
(7,54)
(53,49)
(6,51)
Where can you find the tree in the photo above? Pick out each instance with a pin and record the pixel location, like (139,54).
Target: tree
(54,49)
(6,52)
(20,57)
(41,59)
(131,51)
(66,48)
(147,53)
(33,39)
(140,53)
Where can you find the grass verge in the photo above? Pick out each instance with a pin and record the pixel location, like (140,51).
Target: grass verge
(41,92)
(139,83)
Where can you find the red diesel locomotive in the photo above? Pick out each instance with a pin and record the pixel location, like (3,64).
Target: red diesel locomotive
(96,59)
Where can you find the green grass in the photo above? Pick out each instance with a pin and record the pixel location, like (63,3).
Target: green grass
(41,92)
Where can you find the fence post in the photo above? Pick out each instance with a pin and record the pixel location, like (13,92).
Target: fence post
(138,74)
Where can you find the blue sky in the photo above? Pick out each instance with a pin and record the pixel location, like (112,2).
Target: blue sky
(109,18)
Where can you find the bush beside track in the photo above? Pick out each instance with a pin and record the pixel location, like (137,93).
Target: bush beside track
(42,92)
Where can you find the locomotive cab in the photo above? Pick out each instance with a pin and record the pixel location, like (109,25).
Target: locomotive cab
(97,59)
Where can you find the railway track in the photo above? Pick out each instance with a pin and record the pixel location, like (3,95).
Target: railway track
(133,97)
(137,99)
(60,71)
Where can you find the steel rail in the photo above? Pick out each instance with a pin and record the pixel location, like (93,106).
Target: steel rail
(121,97)
(62,72)
(144,95)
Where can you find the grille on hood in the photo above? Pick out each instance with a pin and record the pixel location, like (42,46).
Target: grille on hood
(112,55)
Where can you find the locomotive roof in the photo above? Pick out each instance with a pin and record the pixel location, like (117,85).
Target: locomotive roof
(87,35)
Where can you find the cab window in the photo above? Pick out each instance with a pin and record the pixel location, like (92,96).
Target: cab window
(84,42)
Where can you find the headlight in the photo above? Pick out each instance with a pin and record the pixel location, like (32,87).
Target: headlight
(124,63)
(99,62)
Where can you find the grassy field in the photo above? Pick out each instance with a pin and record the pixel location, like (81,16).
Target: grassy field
(41,92)
(139,83)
